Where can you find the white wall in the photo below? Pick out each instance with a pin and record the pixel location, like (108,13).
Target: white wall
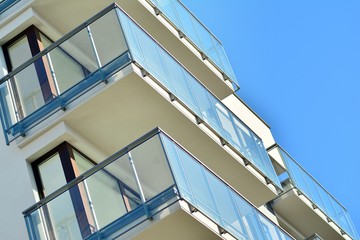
(16,191)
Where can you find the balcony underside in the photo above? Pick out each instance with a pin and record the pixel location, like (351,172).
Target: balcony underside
(52,11)
(129,106)
(173,223)
(297,211)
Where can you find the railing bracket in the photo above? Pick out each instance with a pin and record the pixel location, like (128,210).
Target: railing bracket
(221,230)
(157,11)
(172,97)
(246,162)
(223,141)
(226,77)
(193,209)
(198,120)
(181,34)
(203,56)
(144,73)
(267,180)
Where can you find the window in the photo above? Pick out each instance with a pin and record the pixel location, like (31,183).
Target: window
(37,84)
(77,206)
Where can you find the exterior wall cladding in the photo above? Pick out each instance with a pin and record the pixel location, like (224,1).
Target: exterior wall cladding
(121,122)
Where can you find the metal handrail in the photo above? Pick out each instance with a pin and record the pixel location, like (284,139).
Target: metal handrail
(122,152)
(92,171)
(57,43)
(306,172)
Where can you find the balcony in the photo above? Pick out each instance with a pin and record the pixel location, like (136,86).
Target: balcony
(87,58)
(315,209)
(149,183)
(191,28)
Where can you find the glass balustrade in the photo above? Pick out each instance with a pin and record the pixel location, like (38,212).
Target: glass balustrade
(62,72)
(174,77)
(197,33)
(90,54)
(136,183)
(318,195)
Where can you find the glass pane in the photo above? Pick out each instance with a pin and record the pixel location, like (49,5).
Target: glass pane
(51,174)
(28,91)
(67,70)
(177,168)
(79,49)
(131,38)
(121,170)
(187,23)
(199,185)
(152,167)
(180,82)
(226,121)
(36,224)
(249,217)
(104,191)
(60,210)
(150,54)
(226,207)
(168,9)
(108,37)
(206,106)
(61,214)
(8,110)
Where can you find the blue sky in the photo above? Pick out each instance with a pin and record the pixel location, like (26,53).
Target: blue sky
(298,64)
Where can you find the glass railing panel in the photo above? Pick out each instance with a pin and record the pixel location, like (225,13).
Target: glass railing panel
(200,189)
(152,168)
(262,157)
(103,191)
(197,33)
(58,219)
(315,193)
(207,193)
(35,225)
(229,217)
(135,179)
(108,37)
(65,69)
(122,171)
(123,184)
(271,231)
(155,60)
(318,195)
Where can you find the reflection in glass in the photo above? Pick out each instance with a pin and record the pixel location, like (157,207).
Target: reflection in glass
(60,210)
(28,92)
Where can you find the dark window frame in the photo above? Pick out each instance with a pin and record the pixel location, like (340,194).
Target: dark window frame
(77,193)
(42,66)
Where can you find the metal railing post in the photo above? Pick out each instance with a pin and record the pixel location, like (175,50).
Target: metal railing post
(142,196)
(57,89)
(97,58)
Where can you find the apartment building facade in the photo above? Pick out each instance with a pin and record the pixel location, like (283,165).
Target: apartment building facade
(121,121)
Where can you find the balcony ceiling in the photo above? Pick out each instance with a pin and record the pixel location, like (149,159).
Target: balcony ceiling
(298,213)
(178,226)
(80,10)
